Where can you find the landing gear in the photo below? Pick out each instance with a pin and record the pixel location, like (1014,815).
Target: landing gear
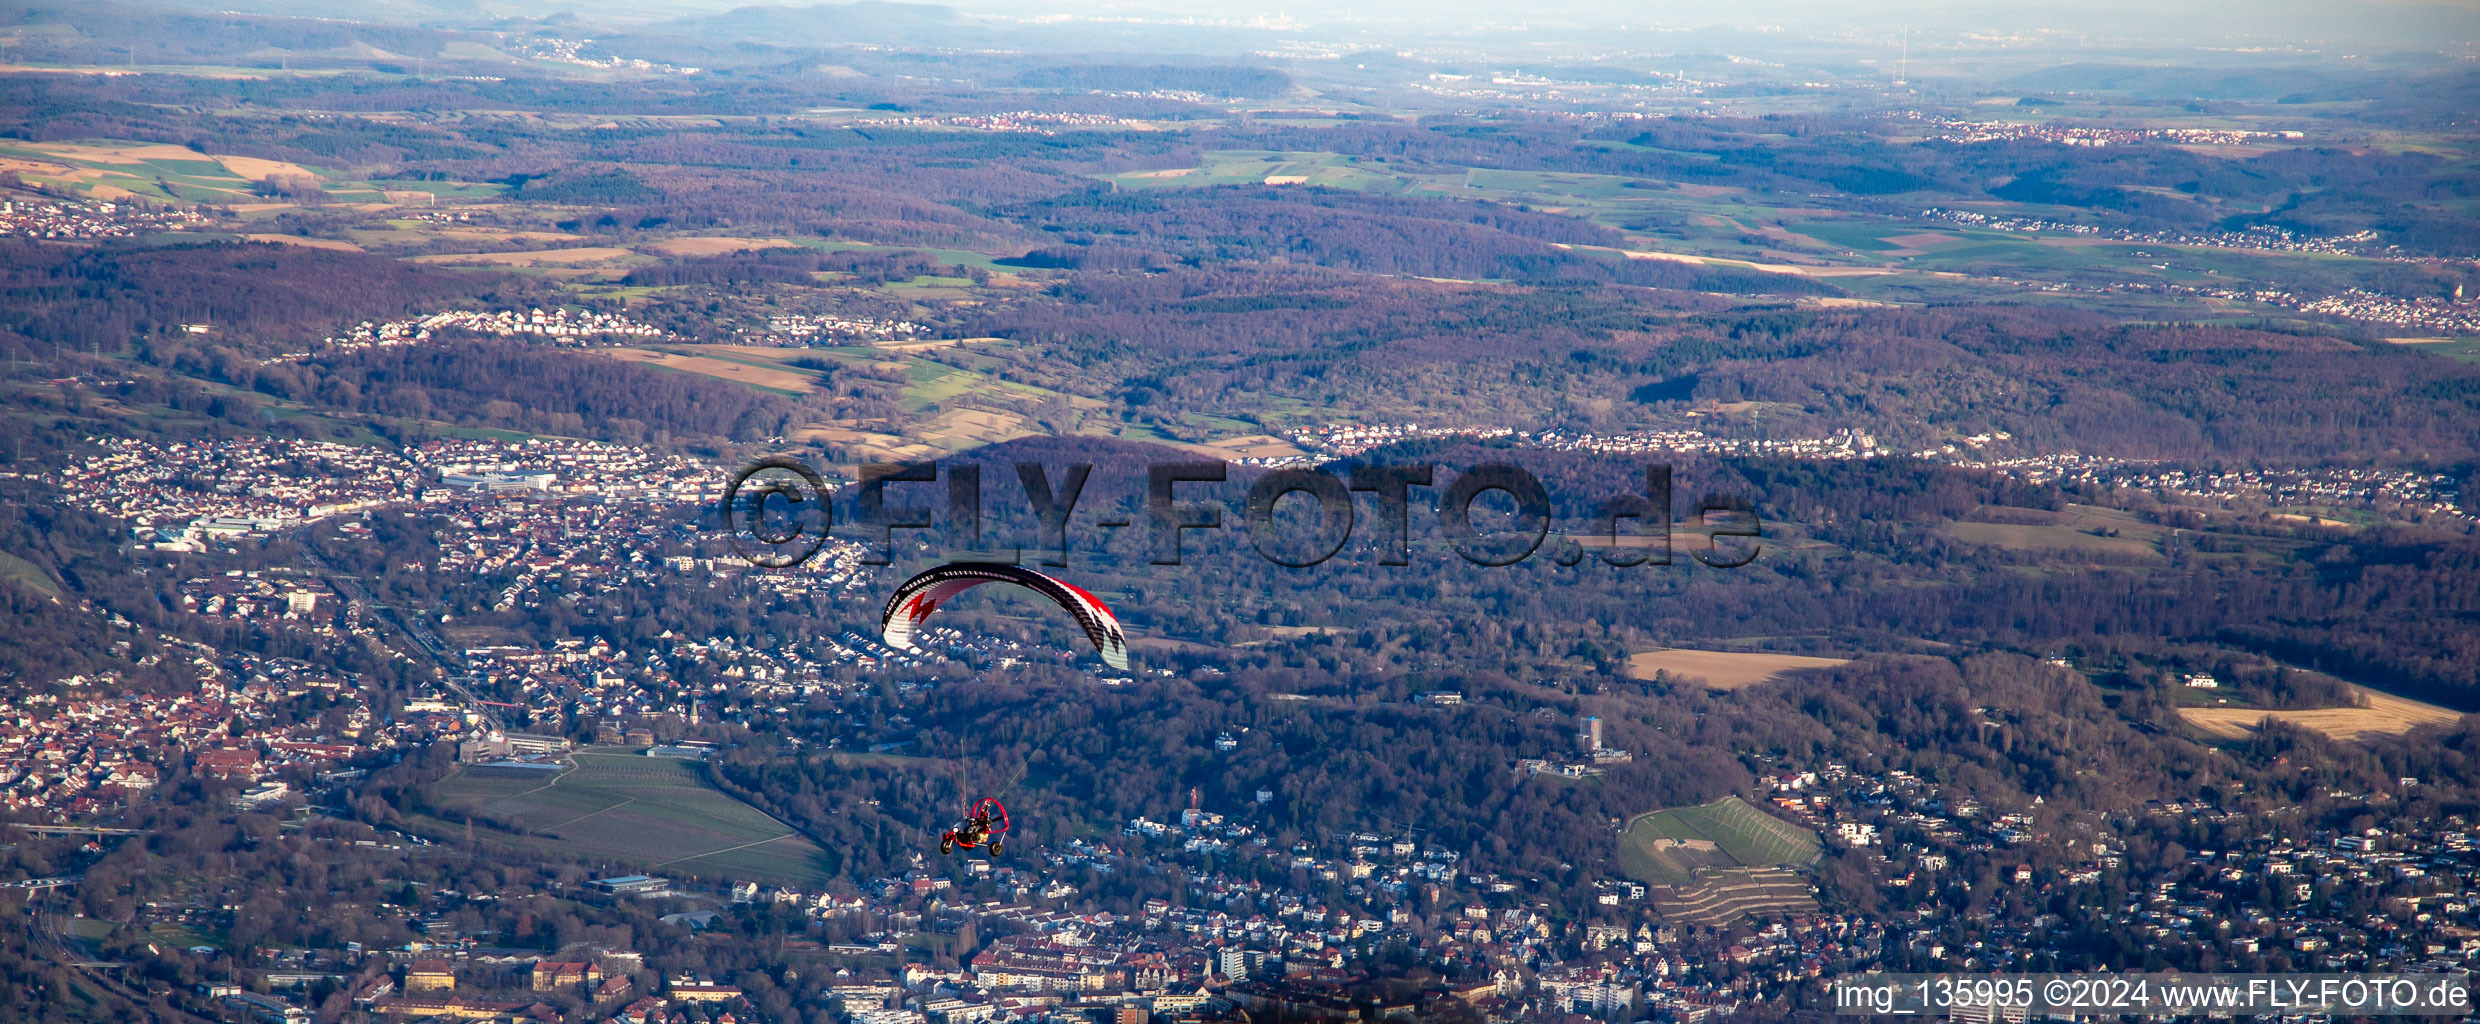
(984,828)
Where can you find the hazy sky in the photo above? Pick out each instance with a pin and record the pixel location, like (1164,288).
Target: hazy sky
(2420,25)
(2375,26)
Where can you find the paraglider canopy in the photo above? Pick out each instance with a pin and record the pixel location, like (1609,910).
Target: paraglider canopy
(925,592)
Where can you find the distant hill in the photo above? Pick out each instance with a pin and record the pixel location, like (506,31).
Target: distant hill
(867,21)
(110,31)
(2151,80)
(453,12)
(937,26)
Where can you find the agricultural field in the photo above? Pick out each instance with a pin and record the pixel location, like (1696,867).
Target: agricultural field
(1674,846)
(713,245)
(1255,167)
(111,169)
(723,362)
(2094,262)
(2082,529)
(949,431)
(955,405)
(2465,349)
(2383,715)
(1724,670)
(1257,446)
(651,814)
(581,256)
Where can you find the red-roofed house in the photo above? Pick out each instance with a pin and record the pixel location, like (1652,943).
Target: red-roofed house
(228,763)
(554,974)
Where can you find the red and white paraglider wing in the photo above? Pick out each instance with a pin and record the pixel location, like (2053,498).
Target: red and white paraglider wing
(914,601)
(925,592)
(1101,626)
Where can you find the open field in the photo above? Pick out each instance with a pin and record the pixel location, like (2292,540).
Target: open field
(934,384)
(437,190)
(316,243)
(928,345)
(2032,537)
(960,407)
(655,814)
(707,245)
(535,258)
(2080,528)
(1293,631)
(1256,446)
(250,168)
(23,166)
(1801,269)
(116,169)
(2385,715)
(769,376)
(964,428)
(1723,670)
(1671,846)
(495,234)
(136,153)
(949,431)
(1249,167)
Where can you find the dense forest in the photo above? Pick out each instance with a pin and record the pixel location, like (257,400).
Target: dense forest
(102,299)
(502,383)
(1213,341)
(1378,235)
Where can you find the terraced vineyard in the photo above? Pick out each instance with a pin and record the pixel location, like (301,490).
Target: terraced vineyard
(1724,895)
(1671,846)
